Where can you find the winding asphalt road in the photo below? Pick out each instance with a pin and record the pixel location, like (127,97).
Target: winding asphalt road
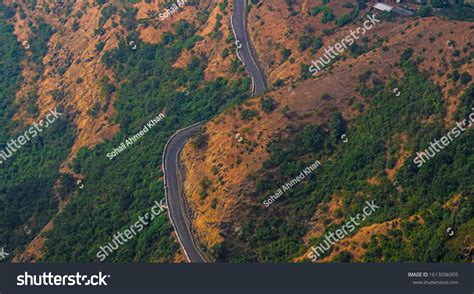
(176,206)
(244,51)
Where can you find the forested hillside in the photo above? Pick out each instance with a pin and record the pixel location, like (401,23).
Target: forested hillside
(364,117)
(109,67)
(40,195)
(118,191)
(375,142)
(31,186)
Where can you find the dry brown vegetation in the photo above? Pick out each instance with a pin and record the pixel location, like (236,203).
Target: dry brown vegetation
(227,163)
(73,66)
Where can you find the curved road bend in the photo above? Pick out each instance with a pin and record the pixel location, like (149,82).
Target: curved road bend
(176,208)
(239,25)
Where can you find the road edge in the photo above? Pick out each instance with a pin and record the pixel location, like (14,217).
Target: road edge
(252,51)
(166,184)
